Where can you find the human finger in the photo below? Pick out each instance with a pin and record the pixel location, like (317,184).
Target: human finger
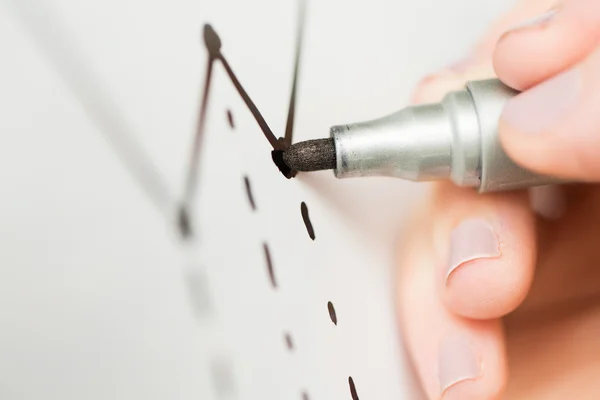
(477,64)
(454,357)
(554,127)
(552,41)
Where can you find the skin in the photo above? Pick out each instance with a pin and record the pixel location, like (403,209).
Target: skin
(532,314)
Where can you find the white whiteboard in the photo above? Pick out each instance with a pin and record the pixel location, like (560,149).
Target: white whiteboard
(100,298)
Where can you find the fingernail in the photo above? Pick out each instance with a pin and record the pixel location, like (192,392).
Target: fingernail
(542,106)
(471,240)
(538,21)
(457,362)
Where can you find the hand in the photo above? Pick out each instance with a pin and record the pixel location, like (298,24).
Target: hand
(499,294)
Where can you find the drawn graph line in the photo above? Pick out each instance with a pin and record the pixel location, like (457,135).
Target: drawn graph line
(289,126)
(56,45)
(213,45)
(307,222)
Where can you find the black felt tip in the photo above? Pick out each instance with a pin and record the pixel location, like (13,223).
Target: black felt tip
(312,155)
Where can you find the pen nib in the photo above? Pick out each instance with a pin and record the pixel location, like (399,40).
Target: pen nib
(311,155)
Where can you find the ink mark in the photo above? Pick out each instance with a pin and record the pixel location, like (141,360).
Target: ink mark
(184,223)
(306,218)
(250,104)
(222,378)
(230,119)
(352,388)
(305,396)
(249,193)
(269,265)
(289,343)
(277,156)
(213,45)
(289,126)
(212,41)
(332,313)
(198,292)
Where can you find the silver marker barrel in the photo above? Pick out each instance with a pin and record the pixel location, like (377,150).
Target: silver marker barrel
(455,139)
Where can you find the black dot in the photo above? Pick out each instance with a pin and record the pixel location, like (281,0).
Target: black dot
(332,313)
(307,222)
(184,223)
(230,119)
(269,262)
(352,388)
(277,156)
(289,342)
(249,193)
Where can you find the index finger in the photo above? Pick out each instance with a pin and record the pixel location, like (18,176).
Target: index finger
(541,47)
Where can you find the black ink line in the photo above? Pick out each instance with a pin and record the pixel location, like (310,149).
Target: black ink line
(230,119)
(213,45)
(185,227)
(289,127)
(352,388)
(251,106)
(306,219)
(332,313)
(212,41)
(269,265)
(277,156)
(249,193)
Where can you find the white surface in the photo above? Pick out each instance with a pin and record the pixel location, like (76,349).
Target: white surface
(93,288)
